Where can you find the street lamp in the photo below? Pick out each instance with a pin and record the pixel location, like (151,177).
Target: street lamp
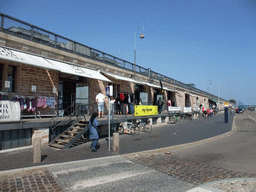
(142,36)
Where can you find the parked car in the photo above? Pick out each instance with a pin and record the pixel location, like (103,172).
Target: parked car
(239,110)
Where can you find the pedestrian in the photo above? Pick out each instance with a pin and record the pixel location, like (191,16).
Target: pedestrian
(100,99)
(205,113)
(211,112)
(140,101)
(208,112)
(160,105)
(118,103)
(93,132)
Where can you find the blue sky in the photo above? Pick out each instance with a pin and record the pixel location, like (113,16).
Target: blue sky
(205,42)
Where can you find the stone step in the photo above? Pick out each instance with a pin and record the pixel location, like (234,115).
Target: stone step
(77,128)
(62,140)
(65,136)
(81,124)
(56,145)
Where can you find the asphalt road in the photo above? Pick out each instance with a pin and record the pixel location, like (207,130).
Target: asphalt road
(162,136)
(171,158)
(186,131)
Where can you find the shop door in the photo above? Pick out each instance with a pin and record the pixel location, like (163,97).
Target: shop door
(69,91)
(82,98)
(156,92)
(138,90)
(187,101)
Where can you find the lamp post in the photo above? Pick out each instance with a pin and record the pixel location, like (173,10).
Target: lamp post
(142,36)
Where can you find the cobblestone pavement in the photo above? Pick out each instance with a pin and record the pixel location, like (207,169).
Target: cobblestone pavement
(234,185)
(191,171)
(39,179)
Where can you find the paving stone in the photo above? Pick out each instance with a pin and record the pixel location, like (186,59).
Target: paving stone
(188,170)
(32,180)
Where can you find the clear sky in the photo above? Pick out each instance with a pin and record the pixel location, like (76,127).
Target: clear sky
(204,42)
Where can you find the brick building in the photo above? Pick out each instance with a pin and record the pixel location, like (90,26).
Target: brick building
(38,64)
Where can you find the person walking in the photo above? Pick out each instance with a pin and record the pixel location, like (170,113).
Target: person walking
(93,132)
(118,103)
(100,99)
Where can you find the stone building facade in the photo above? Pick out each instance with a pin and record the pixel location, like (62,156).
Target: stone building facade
(22,79)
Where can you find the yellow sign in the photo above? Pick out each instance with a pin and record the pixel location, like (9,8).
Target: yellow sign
(226,103)
(145,110)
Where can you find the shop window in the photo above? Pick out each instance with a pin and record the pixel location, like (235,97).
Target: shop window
(1,76)
(116,89)
(11,78)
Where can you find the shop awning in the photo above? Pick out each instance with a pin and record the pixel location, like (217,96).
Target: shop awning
(152,85)
(168,89)
(131,80)
(77,70)
(191,94)
(20,57)
(121,77)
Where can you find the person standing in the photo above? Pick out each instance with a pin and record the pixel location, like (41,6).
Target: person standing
(160,105)
(93,132)
(118,103)
(100,99)
(140,102)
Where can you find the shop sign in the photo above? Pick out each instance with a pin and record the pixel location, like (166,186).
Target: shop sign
(7,84)
(9,111)
(109,90)
(187,110)
(173,109)
(144,97)
(54,90)
(33,88)
(145,110)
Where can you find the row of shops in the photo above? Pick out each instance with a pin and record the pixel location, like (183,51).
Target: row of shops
(46,87)
(36,86)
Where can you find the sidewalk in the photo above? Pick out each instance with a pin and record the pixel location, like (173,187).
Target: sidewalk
(42,178)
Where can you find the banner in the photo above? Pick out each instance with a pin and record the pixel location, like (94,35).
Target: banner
(145,110)
(187,110)
(9,111)
(173,109)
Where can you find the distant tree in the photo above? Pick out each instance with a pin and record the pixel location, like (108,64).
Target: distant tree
(232,101)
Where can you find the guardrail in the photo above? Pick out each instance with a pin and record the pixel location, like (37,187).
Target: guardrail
(16,27)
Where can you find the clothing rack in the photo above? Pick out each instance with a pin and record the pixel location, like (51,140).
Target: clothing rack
(28,103)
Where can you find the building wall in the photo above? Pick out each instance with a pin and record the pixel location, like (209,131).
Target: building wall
(180,98)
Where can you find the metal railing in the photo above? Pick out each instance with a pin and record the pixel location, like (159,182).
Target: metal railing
(77,112)
(16,27)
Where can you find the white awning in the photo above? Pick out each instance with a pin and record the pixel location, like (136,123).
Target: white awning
(121,77)
(168,89)
(20,57)
(77,70)
(152,85)
(131,80)
(190,94)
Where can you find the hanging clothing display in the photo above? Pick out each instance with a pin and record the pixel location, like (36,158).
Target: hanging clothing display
(122,96)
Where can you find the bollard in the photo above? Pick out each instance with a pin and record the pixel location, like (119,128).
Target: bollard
(37,150)
(115,144)
(226,114)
